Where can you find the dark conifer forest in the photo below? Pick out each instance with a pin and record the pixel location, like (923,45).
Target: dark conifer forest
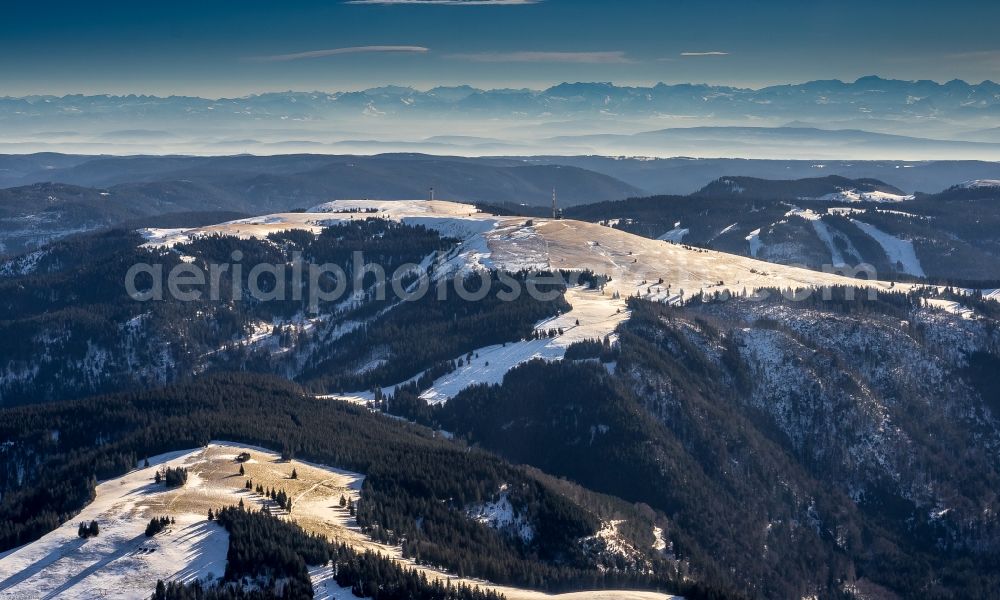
(412,475)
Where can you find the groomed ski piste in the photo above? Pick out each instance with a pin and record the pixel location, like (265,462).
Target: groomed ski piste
(659,270)
(122,563)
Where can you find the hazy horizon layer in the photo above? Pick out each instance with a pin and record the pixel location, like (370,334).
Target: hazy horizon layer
(870,118)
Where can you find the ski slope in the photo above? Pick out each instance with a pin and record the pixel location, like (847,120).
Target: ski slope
(594,315)
(898,250)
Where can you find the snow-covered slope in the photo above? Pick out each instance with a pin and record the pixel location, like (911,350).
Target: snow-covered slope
(675,235)
(122,563)
(898,250)
(981,183)
(515,242)
(853,195)
(594,315)
(450,219)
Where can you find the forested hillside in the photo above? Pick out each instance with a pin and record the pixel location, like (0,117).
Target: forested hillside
(418,486)
(71,329)
(814,447)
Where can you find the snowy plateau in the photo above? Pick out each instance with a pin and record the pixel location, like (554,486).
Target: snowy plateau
(122,563)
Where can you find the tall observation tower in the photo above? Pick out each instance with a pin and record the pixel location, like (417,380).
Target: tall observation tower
(556,212)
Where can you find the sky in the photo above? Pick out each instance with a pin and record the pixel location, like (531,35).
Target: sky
(226,48)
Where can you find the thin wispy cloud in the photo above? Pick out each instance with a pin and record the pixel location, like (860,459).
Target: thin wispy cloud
(989,57)
(449,2)
(714,53)
(605,58)
(339,52)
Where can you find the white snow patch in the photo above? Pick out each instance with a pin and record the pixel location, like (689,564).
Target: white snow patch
(597,312)
(325,586)
(164,238)
(725,230)
(675,235)
(853,195)
(611,539)
(659,542)
(500,515)
(755,243)
(952,307)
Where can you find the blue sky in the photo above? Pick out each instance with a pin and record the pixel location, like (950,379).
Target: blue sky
(228,47)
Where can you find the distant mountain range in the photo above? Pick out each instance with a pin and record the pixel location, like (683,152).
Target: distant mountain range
(49,196)
(867,118)
(871,96)
(947,208)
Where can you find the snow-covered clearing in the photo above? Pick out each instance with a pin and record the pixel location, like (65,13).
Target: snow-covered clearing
(597,313)
(675,235)
(610,536)
(593,316)
(952,307)
(451,219)
(325,585)
(755,244)
(899,251)
(853,195)
(659,541)
(636,264)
